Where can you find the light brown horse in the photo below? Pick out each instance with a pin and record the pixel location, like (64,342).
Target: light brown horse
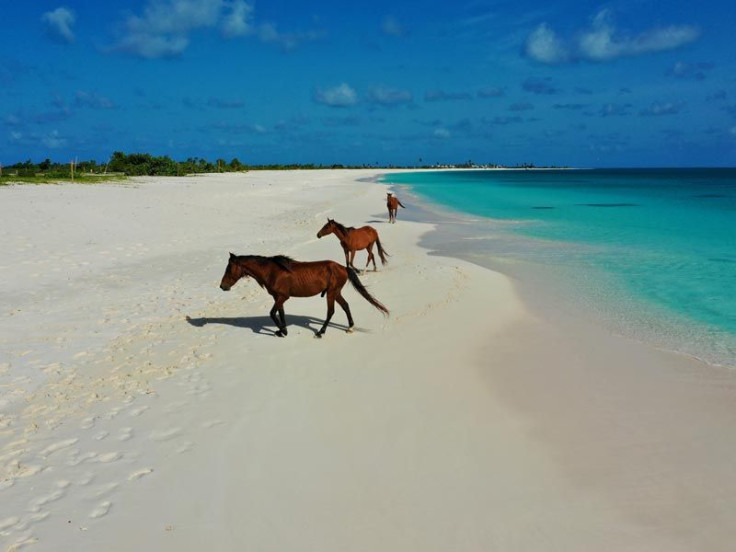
(393,203)
(284,277)
(355,239)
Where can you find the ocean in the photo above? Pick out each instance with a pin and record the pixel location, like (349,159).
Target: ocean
(651,252)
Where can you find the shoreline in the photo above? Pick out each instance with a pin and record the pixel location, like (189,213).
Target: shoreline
(653,382)
(464,421)
(554,291)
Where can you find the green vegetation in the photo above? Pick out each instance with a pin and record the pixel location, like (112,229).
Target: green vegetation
(122,165)
(47,172)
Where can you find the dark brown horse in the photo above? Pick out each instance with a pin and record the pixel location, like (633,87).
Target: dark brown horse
(355,239)
(284,277)
(393,203)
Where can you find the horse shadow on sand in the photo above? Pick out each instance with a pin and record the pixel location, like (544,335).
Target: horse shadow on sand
(264,325)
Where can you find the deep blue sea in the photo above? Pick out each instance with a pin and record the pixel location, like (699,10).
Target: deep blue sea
(652,250)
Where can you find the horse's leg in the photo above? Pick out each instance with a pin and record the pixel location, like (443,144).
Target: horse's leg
(330,312)
(352,258)
(371,258)
(369,249)
(282,314)
(344,304)
(278,307)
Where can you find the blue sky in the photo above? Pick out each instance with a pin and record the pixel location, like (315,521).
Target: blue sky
(622,83)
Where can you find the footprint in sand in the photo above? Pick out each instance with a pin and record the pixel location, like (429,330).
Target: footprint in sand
(75,459)
(113,413)
(31,519)
(165,434)
(8,522)
(21,542)
(103,490)
(58,446)
(86,479)
(6,484)
(101,510)
(101,435)
(93,457)
(108,457)
(19,470)
(87,423)
(125,434)
(35,504)
(138,411)
(139,474)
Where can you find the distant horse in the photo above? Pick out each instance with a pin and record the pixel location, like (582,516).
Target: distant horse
(393,203)
(354,239)
(284,277)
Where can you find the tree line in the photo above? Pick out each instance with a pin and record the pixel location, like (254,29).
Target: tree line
(145,164)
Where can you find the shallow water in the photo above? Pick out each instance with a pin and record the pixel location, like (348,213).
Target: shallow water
(651,252)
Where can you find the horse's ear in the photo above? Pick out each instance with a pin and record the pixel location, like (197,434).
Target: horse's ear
(232,255)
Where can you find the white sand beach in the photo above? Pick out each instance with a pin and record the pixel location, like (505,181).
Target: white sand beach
(142,408)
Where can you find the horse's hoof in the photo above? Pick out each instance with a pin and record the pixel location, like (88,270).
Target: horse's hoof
(318,335)
(280,334)
(350,330)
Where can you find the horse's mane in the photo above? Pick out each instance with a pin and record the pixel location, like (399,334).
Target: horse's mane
(282,261)
(342,227)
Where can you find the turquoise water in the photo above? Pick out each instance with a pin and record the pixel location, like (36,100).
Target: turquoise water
(653,249)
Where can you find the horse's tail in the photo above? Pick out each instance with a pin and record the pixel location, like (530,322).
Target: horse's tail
(402,205)
(360,288)
(381,251)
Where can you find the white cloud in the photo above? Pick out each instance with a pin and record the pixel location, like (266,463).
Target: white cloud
(544,46)
(153,46)
(59,24)
(164,27)
(690,71)
(238,21)
(602,41)
(441,133)
(175,17)
(269,34)
(340,96)
(662,108)
(389,96)
(53,140)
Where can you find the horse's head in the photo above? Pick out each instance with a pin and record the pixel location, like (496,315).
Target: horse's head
(233,273)
(327,229)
